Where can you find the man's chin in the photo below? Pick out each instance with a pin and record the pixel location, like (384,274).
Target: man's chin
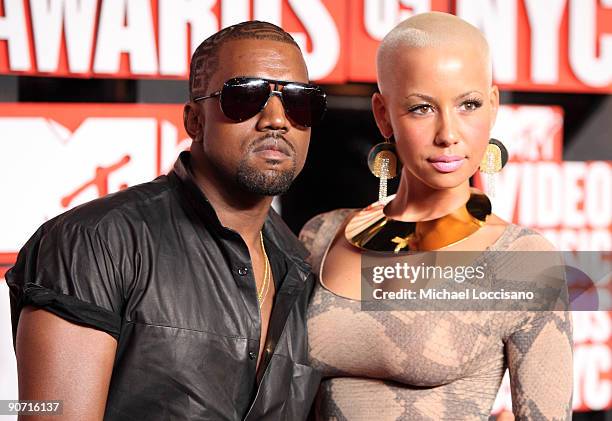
(265,189)
(265,182)
(269,164)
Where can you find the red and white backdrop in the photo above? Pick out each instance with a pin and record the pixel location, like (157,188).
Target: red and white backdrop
(76,152)
(544,45)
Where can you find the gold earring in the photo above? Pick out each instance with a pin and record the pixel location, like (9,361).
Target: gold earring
(494,159)
(384,164)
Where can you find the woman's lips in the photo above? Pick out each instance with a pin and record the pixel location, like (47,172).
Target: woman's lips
(446,164)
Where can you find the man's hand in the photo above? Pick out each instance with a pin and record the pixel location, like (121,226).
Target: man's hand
(59,360)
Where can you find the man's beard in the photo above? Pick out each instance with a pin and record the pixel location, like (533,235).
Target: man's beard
(264,183)
(267,182)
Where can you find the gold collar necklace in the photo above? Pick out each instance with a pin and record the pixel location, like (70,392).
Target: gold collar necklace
(371,229)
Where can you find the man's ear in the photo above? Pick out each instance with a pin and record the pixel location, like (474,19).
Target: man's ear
(191,121)
(380,115)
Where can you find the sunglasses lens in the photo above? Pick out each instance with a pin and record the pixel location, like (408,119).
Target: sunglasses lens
(304,104)
(242,98)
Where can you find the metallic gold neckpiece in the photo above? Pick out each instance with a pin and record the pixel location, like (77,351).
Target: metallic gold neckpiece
(371,229)
(265,286)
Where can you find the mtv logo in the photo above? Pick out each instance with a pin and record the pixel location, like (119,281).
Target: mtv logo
(61,156)
(530,133)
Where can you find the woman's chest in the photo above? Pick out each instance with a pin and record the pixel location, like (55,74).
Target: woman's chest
(425,348)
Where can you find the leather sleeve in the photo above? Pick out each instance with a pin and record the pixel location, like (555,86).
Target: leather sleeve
(67,269)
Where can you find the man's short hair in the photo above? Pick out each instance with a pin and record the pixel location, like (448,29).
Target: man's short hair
(205,59)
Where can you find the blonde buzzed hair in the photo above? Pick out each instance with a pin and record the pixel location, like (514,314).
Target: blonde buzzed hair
(430,30)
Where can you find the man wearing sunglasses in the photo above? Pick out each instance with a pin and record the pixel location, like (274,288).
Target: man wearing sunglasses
(185,297)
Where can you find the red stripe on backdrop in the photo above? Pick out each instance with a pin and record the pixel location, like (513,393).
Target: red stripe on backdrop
(538,46)
(7,258)
(6,261)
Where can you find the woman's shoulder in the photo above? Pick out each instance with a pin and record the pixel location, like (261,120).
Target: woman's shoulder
(520,238)
(321,228)
(326,220)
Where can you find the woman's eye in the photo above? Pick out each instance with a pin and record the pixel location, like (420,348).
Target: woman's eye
(421,109)
(471,105)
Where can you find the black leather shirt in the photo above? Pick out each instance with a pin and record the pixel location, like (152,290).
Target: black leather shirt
(153,266)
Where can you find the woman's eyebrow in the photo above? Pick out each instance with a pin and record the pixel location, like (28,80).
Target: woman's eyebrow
(458,97)
(431,99)
(422,96)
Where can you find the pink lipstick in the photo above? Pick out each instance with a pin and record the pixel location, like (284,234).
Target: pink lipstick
(446,163)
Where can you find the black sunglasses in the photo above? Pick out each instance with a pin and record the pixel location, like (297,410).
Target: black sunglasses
(244,97)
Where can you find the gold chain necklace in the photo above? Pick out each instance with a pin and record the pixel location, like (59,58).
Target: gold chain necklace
(265,286)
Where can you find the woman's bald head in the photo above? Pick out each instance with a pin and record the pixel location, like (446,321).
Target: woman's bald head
(430,30)
(436,97)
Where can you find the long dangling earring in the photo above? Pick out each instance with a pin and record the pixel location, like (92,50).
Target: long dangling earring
(494,159)
(384,164)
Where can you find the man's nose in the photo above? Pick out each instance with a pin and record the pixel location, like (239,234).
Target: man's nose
(273,117)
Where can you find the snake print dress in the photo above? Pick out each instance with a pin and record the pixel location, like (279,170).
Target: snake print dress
(434,365)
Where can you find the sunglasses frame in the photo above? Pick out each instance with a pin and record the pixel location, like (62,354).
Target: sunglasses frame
(273,91)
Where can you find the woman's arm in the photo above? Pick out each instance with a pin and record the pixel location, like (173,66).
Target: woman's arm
(539,356)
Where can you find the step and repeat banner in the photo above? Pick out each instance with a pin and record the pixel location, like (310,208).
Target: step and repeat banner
(56,156)
(570,203)
(544,45)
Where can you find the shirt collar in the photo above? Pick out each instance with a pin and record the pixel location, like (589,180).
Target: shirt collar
(274,228)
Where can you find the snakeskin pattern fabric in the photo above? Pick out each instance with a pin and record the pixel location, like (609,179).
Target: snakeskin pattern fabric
(434,365)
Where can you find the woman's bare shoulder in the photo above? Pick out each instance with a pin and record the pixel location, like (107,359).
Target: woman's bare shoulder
(314,234)
(494,219)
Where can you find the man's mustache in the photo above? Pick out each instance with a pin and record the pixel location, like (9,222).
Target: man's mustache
(273,141)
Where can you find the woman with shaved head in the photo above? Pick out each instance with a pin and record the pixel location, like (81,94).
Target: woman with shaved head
(435,108)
